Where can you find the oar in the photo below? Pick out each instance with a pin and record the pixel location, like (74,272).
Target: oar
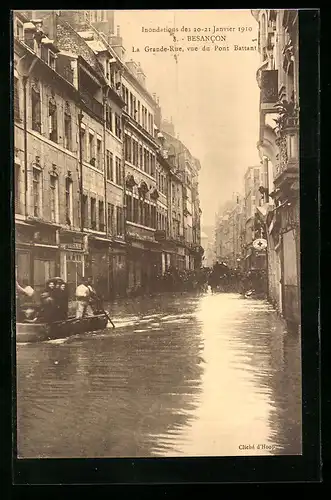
(107,316)
(99,303)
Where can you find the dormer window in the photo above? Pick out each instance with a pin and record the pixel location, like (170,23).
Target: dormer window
(19,29)
(52,60)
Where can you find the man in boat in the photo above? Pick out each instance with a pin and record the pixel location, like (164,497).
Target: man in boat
(84,298)
(25,302)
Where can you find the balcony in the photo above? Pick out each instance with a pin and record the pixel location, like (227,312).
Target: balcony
(92,104)
(160,235)
(287,168)
(269,89)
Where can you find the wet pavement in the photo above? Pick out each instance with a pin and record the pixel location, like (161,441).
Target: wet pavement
(180,375)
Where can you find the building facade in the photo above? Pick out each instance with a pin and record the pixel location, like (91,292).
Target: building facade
(95,191)
(254,230)
(278,79)
(230,233)
(186,211)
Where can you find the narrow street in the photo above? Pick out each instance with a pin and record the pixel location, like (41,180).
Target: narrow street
(181,375)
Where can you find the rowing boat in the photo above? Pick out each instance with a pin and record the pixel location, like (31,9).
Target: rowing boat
(34,332)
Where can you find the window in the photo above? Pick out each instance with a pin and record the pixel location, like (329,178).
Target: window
(83,141)
(67,131)
(141,160)
(118,179)
(52,60)
(110,218)
(147,218)
(135,210)
(149,123)
(119,221)
(128,201)
(68,196)
(118,131)
(91,149)
(93,214)
(17,185)
(85,210)
(19,30)
(153,165)
(138,112)
(128,148)
(99,154)
(109,118)
(153,216)
(36,109)
(145,161)
(101,216)
(16,100)
(52,119)
(135,152)
(54,197)
(109,166)
(131,105)
(135,111)
(36,192)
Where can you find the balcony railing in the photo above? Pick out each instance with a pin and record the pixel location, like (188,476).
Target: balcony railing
(160,234)
(95,106)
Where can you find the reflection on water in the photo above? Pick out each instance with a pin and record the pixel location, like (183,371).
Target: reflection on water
(180,375)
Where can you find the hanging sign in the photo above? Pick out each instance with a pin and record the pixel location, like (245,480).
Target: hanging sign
(260,244)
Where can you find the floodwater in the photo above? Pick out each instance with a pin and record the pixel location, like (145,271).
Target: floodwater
(180,375)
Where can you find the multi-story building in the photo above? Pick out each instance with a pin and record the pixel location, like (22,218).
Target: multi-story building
(230,232)
(95,192)
(47,179)
(145,184)
(279,149)
(186,168)
(76,128)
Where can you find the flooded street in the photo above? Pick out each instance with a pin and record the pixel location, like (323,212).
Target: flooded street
(181,375)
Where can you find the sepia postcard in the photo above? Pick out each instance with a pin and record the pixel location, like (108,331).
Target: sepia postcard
(157,233)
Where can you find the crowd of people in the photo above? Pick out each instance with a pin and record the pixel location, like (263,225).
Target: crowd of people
(53,304)
(219,278)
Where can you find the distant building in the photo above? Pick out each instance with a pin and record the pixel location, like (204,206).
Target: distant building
(229,232)
(208,244)
(254,258)
(187,169)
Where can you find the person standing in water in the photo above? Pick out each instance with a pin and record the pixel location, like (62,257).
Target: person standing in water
(84,295)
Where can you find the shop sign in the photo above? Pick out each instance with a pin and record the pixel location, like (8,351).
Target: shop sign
(140,235)
(70,242)
(72,246)
(260,244)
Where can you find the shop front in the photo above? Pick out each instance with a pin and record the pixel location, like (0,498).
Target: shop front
(46,254)
(23,252)
(99,264)
(117,269)
(144,260)
(291,263)
(73,259)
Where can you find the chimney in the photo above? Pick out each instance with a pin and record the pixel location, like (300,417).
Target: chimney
(118,31)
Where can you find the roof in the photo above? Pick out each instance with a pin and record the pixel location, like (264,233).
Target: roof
(96,46)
